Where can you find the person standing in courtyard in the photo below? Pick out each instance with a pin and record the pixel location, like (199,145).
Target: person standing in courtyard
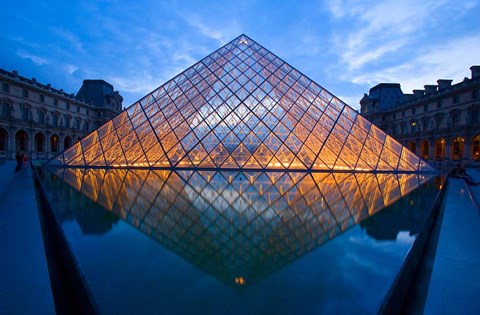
(19,158)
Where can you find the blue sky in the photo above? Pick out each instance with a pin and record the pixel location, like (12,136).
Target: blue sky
(346,46)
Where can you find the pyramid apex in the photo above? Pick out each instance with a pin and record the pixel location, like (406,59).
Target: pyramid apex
(242,107)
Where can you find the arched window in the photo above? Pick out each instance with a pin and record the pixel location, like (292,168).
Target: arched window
(412,146)
(476,148)
(39,142)
(54,143)
(3,139)
(67,142)
(440,149)
(425,148)
(457,148)
(21,141)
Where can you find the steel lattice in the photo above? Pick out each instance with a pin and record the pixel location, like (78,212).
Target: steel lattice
(241,107)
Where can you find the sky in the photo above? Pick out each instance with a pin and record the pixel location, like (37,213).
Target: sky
(346,46)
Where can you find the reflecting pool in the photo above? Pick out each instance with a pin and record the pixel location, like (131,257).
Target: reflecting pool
(162,241)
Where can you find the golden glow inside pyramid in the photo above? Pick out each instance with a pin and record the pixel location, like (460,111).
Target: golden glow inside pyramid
(241,107)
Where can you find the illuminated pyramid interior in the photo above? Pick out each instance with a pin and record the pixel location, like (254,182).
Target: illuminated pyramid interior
(241,107)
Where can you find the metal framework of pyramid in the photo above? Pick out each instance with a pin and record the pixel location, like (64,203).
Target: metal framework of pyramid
(241,107)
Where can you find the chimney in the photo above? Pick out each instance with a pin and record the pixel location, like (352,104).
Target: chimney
(429,89)
(443,84)
(418,93)
(475,71)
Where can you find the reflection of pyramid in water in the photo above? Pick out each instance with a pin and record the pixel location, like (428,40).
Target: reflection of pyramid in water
(241,107)
(240,226)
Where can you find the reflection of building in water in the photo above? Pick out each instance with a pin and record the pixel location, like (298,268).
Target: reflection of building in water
(240,226)
(399,216)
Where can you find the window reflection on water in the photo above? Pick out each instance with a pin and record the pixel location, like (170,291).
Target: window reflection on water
(241,226)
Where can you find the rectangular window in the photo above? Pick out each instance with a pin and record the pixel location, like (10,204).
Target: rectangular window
(67,121)
(403,128)
(439,104)
(5,87)
(413,124)
(42,98)
(456,99)
(55,102)
(55,121)
(67,105)
(78,109)
(425,124)
(474,94)
(403,113)
(439,122)
(25,93)
(25,113)
(41,117)
(88,112)
(474,116)
(425,107)
(5,110)
(455,119)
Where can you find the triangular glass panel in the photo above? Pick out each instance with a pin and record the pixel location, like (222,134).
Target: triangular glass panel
(241,107)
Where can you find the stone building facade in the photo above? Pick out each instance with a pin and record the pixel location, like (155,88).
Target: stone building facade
(440,123)
(42,121)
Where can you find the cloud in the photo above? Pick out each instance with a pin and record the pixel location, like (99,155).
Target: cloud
(206,30)
(71,68)
(221,30)
(451,59)
(380,28)
(142,83)
(352,101)
(407,42)
(70,38)
(26,55)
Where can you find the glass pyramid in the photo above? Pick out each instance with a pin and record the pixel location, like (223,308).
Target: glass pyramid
(241,107)
(238,223)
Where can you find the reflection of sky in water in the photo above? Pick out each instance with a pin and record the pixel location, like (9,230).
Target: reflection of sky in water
(351,272)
